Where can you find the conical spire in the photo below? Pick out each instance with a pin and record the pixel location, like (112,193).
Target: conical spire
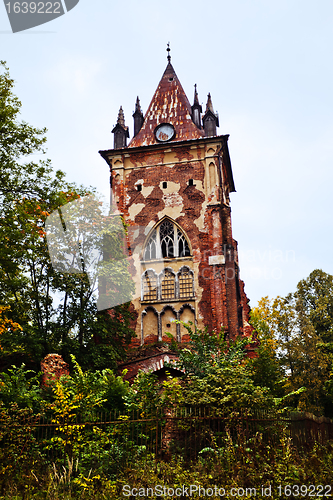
(209,105)
(120,131)
(138,117)
(137,105)
(121,117)
(210,119)
(196,108)
(196,97)
(168,105)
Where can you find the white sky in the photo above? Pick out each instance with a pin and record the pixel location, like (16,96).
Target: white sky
(268,65)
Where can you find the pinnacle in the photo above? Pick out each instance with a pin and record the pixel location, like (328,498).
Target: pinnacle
(121,117)
(209,105)
(138,106)
(196,97)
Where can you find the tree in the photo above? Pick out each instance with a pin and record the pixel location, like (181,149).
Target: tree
(267,369)
(301,324)
(56,311)
(314,298)
(218,373)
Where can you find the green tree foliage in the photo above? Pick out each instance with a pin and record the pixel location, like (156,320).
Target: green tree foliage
(82,391)
(53,311)
(18,139)
(218,374)
(86,391)
(300,326)
(21,386)
(266,367)
(314,298)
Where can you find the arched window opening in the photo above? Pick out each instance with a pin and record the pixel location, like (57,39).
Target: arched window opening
(186,315)
(185,280)
(168,289)
(167,238)
(167,242)
(168,322)
(149,291)
(150,250)
(183,248)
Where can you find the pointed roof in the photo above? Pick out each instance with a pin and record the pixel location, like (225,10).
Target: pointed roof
(196,96)
(210,111)
(168,105)
(209,105)
(138,106)
(121,117)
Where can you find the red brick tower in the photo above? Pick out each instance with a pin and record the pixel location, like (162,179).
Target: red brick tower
(173,180)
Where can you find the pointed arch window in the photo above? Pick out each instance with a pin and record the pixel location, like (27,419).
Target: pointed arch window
(150,285)
(167,237)
(150,250)
(168,284)
(167,242)
(183,248)
(185,283)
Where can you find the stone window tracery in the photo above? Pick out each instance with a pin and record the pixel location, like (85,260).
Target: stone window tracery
(183,248)
(167,242)
(150,250)
(167,237)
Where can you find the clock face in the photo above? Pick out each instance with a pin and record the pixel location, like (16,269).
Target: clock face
(164,132)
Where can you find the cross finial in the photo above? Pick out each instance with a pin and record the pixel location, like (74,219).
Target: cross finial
(168,50)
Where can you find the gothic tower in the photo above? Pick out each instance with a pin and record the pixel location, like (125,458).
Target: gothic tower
(173,180)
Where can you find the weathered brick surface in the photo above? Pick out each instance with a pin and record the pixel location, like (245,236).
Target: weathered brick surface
(152,359)
(200,208)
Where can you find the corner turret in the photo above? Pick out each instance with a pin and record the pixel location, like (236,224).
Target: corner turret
(196,109)
(138,117)
(120,131)
(210,119)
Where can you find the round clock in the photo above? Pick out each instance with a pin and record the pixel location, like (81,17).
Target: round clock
(164,132)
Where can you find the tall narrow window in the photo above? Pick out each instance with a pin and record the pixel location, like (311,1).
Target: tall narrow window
(167,238)
(185,280)
(183,248)
(150,250)
(167,241)
(149,291)
(168,285)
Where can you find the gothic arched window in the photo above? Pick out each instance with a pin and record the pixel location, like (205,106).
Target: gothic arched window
(183,248)
(149,285)
(150,250)
(185,283)
(168,284)
(167,241)
(167,236)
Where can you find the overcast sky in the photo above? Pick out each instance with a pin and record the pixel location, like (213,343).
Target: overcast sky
(268,65)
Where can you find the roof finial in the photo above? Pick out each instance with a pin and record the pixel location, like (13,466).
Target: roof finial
(196,97)
(168,50)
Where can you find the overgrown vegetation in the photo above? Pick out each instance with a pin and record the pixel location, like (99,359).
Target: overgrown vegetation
(98,435)
(296,348)
(89,434)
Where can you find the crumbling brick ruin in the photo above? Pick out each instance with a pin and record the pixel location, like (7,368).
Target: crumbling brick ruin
(53,367)
(173,180)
